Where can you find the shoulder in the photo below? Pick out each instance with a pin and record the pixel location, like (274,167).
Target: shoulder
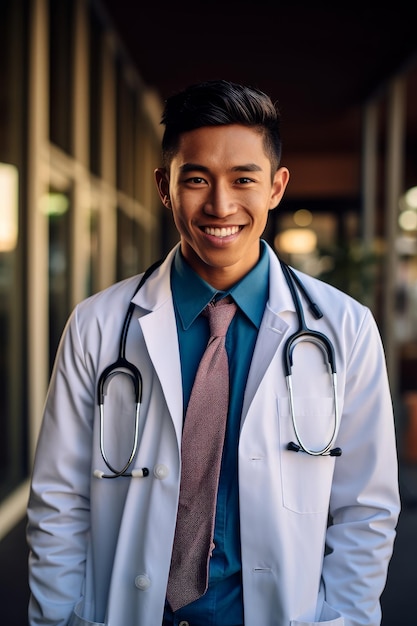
(99,317)
(329,293)
(344,316)
(112,298)
(110,305)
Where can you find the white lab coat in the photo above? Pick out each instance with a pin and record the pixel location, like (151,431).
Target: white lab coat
(104,546)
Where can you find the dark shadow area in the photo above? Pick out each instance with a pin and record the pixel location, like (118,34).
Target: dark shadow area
(399,600)
(14,589)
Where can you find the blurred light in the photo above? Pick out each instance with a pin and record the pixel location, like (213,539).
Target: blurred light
(409,199)
(9,194)
(303,217)
(296,241)
(406,246)
(408,220)
(54,204)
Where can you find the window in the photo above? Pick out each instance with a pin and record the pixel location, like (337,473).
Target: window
(95,92)
(13,314)
(58,208)
(61,79)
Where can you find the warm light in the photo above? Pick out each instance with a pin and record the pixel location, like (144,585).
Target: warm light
(9,195)
(296,241)
(303,217)
(408,220)
(409,199)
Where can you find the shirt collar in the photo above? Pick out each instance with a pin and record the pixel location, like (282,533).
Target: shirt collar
(191,293)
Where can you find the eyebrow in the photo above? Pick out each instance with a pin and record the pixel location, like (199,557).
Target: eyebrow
(246,167)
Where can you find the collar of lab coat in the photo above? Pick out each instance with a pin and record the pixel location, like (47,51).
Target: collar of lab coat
(157,289)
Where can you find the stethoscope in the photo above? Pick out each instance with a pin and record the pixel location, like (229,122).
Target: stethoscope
(303,333)
(123,366)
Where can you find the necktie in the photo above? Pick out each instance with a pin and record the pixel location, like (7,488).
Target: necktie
(201,453)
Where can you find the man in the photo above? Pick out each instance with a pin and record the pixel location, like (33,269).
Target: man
(299,537)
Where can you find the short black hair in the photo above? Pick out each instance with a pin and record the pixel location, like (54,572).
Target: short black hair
(220,103)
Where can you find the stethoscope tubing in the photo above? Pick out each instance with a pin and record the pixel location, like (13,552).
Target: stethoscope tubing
(302,446)
(306,334)
(303,333)
(122,365)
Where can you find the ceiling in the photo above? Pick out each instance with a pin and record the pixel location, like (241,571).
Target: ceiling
(319,61)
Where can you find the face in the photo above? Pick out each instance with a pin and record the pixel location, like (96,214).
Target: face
(220,190)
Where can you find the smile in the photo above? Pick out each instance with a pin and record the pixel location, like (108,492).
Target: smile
(222,232)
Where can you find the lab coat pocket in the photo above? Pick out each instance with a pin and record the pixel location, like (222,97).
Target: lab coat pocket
(329,617)
(77,620)
(306,479)
(339,621)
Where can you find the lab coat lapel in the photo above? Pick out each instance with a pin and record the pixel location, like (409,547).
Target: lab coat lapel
(272,331)
(160,335)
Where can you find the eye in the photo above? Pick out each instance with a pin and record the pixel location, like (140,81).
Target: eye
(244,180)
(196,180)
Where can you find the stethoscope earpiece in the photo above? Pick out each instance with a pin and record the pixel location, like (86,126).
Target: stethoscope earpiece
(136,473)
(294,447)
(336,452)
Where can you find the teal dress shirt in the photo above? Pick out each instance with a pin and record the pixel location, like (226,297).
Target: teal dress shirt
(222,604)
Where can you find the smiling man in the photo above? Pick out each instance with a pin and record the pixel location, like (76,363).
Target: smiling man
(305,489)
(220,186)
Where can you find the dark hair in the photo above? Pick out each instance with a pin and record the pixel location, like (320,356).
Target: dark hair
(219,103)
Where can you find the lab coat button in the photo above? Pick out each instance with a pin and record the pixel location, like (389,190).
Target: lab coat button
(142,582)
(160,471)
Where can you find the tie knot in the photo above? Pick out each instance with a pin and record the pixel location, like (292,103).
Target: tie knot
(219,315)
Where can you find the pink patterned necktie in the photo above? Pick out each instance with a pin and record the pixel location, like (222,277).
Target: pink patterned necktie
(201,454)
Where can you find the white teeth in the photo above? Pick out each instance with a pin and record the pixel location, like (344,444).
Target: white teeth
(222,232)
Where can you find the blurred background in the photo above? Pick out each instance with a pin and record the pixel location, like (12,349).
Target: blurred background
(82,86)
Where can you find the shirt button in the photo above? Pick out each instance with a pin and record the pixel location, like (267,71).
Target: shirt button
(160,471)
(142,582)
(184,623)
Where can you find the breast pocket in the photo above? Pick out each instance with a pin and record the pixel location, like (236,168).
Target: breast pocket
(306,479)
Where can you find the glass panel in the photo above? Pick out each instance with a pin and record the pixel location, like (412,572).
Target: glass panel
(95,86)
(58,205)
(13,373)
(127,246)
(61,78)
(93,282)
(406,296)
(324,243)
(126,118)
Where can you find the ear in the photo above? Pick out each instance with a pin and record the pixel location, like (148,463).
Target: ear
(279,184)
(162,184)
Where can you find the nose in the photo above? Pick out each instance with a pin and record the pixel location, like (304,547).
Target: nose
(220,201)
